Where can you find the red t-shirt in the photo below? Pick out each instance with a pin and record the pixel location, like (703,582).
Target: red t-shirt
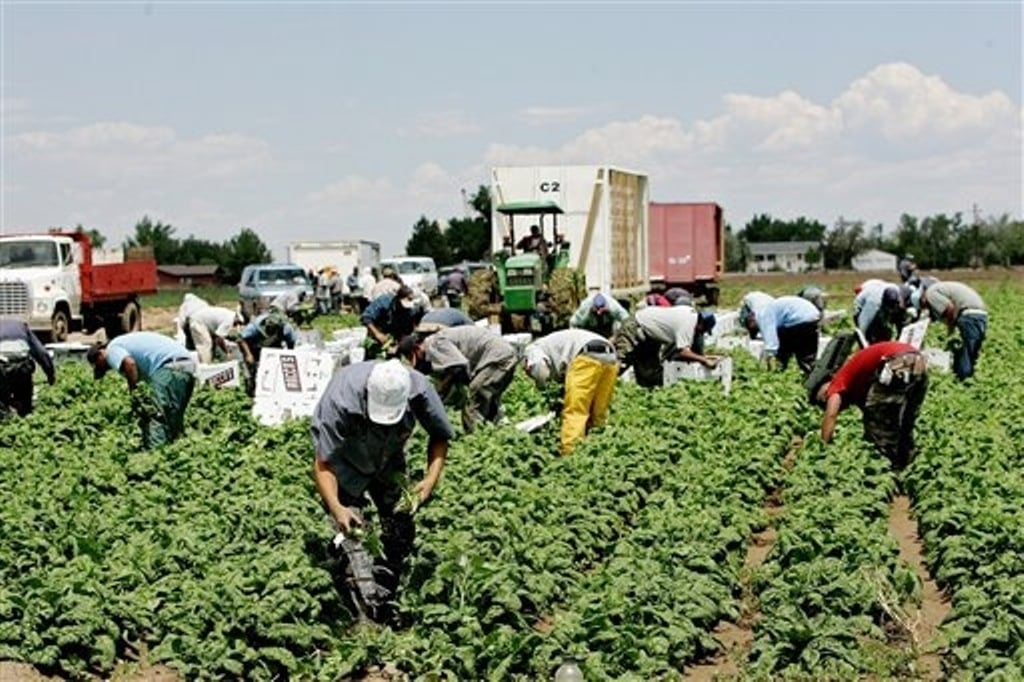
(854,378)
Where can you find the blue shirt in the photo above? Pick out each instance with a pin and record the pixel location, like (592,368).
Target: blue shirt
(783,312)
(252,335)
(149,350)
(449,317)
(15,330)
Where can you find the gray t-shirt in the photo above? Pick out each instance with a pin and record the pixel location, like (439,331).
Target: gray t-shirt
(960,295)
(356,448)
(471,347)
(562,347)
(675,326)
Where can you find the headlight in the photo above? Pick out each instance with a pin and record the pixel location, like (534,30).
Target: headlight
(42,305)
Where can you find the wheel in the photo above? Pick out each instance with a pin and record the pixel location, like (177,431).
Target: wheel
(131,318)
(60,325)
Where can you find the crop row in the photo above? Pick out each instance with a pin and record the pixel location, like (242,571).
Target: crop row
(967,487)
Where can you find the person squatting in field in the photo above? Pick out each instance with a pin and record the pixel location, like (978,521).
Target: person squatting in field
(359,429)
(20,352)
(467,356)
(586,365)
(162,363)
(888,382)
(270,330)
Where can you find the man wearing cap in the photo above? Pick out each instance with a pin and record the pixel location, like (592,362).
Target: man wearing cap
(360,428)
(269,330)
(789,327)
(20,352)
(907,269)
(208,329)
(389,283)
(585,364)
(960,307)
(600,314)
(656,334)
(879,307)
(750,304)
(388,319)
(888,382)
(439,318)
(468,356)
(814,294)
(678,296)
(166,366)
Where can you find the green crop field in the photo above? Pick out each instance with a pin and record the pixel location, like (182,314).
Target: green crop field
(691,516)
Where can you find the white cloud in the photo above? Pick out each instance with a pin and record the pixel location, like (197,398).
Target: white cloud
(350,190)
(13,110)
(442,124)
(540,116)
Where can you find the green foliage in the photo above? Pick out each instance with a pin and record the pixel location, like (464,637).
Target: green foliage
(245,248)
(764,228)
(157,236)
(428,240)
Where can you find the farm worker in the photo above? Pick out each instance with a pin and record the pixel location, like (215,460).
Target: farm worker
(585,364)
(534,242)
(323,289)
(888,382)
(907,269)
(813,294)
(878,307)
(208,329)
(600,314)
(360,428)
(455,281)
(288,302)
(269,330)
(751,303)
(20,352)
(421,304)
(387,319)
(655,334)
(389,283)
(468,356)
(166,366)
(959,306)
(678,296)
(789,327)
(656,299)
(439,318)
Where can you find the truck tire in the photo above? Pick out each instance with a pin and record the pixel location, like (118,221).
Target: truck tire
(60,325)
(131,318)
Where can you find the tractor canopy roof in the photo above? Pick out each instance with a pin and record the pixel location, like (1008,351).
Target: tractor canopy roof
(529,208)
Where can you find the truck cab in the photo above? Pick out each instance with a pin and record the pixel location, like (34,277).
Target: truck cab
(40,282)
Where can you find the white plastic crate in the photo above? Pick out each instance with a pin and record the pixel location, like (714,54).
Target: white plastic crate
(289,383)
(914,333)
(675,371)
(68,351)
(219,374)
(938,359)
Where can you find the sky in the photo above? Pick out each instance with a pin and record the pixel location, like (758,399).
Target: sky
(331,120)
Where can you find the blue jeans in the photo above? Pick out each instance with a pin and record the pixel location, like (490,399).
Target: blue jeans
(972,331)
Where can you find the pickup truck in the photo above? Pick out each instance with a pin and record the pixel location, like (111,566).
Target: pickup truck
(51,282)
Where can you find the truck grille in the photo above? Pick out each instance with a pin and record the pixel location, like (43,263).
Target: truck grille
(13,298)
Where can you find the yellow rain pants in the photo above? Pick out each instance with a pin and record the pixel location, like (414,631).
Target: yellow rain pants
(589,386)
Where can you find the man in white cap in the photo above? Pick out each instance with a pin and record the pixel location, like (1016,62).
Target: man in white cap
(360,427)
(600,314)
(585,363)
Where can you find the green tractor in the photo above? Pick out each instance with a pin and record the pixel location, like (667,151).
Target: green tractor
(532,287)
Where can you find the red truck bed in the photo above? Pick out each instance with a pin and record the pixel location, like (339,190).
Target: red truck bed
(112,281)
(685,242)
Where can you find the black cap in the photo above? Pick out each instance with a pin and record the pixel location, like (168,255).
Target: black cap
(92,355)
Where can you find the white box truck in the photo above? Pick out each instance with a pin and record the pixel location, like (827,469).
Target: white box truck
(341,255)
(603,218)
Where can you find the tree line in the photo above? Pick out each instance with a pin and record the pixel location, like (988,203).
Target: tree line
(231,255)
(937,242)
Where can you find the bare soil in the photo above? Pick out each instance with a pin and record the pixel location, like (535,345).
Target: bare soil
(12,671)
(926,619)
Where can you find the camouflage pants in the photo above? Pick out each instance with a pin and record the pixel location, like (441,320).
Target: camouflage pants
(485,390)
(640,353)
(892,405)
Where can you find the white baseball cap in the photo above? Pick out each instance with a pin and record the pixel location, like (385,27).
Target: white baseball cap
(387,392)
(537,365)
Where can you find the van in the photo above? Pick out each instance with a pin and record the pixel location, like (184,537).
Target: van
(261,284)
(415,271)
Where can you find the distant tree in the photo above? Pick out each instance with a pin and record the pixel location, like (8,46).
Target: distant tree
(158,236)
(470,238)
(96,240)
(844,241)
(735,251)
(194,251)
(764,228)
(428,240)
(245,248)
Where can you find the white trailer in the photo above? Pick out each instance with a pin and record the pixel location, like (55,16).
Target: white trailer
(604,220)
(341,255)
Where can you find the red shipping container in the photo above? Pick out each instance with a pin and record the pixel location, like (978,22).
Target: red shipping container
(685,244)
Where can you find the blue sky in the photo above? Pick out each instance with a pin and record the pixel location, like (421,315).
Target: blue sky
(335,120)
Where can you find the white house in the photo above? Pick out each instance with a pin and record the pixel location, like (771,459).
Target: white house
(874,260)
(782,256)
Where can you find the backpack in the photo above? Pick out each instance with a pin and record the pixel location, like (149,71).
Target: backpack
(836,353)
